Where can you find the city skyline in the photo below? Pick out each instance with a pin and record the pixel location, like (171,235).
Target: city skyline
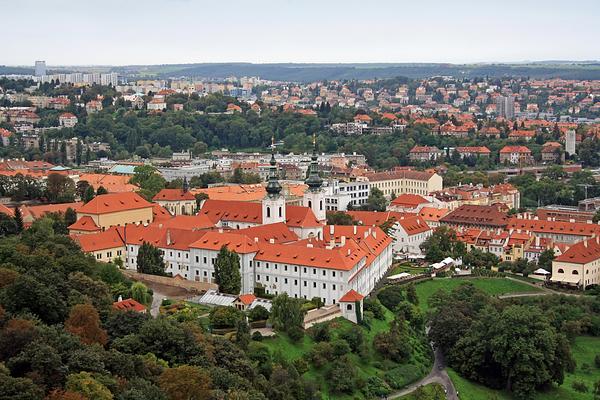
(182,31)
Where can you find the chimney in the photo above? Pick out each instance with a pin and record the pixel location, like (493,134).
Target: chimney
(331,229)
(585,243)
(256,239)
(272,241)
(220,230)
(168,237)
(374,233)
(537,241)
(120,298)
(309,245)
(343,240)
(354,229)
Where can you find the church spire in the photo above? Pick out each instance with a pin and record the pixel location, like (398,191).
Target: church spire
(314,181)
(273,186)
(185,186)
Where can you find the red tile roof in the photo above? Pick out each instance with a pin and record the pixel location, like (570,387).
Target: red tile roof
(376,218)
(470,214)
(351,296)
(515,149)
(413,225)
(236,242)
(173,195)
(249,212)
(114,202)
(247,299)
(185,222)
(409,200)
(109,239)
(279,233)
(581,253)
(85,223)
(129,304)
(558,227)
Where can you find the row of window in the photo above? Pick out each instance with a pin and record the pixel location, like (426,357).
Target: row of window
(268,278)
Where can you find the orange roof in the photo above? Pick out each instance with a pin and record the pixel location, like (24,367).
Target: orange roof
(129,304)
(278,232)
(5,133)
(112,183)
(362,117)
(432,214)
(515,149)
(114,202)
(409,200)
(186,222)
(85,223)
(109,239)
(243,211)
(351,296)
(340,258)
(247,299)
(6,210)
(581,253)
(173,195)
(160,213)
(39,211)
(376,218)
(213,240)
(558,227)
(253,192)
(413,225)
(473,149)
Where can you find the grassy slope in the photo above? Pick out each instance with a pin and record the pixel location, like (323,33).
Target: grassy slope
(373,365)
(492,286)
(584,350)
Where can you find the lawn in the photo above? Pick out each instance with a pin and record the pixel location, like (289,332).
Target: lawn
(407,267)
(370,365)
(427,392)
(492,286)
(584,350)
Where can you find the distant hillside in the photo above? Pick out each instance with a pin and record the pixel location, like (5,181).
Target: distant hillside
(312,72)
(6,70)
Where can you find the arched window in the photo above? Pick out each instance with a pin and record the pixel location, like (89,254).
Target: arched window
(268,212)
(309,204)
(561,271)
(575,272)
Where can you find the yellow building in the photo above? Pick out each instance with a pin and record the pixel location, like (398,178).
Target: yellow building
(114,209)
(104,246)
(405,181)
(177,201)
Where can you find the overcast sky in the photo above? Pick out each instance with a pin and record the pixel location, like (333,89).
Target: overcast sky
(120,32)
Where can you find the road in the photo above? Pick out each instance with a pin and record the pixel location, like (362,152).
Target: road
(438,374)
(157,299)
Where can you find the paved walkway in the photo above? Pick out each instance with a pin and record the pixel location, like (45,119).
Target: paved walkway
(438,375)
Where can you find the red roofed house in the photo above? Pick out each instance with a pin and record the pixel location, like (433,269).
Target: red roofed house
(515,155)
(177,201)
(67,120)
(521,134)
(362,118)
(552,152)
(425,153)
(117,209)
(244,301)
(104,246)
(408,203)
(409,233)
(130,305)
(579,266)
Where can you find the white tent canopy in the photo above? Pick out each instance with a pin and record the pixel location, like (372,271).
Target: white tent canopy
(541,271)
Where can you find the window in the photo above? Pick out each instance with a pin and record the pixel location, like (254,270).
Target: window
(324,286)
(314,271)
(204,260)
(333,286)
(280,212)
(295,282)
(197,259)
(268,212)
(258,277)
(324,273)
(348,306)
(575,272)
(314,284)
(285,280)
(205,274)
(304,283)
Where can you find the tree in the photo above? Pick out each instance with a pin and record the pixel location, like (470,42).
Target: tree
(70,217)
(200,197)
(340,218)
(101,190)
(286,313)
(18,217)
(227,271)
(60,189)
(185,383)
(242,334)
(441,244)
(88,195)
(545,260)
(148,179)
(139,292)
(84,322)
(376,201)
(19,388)
(85,384)
(150,261)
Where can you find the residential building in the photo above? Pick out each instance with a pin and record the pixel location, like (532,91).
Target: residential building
(425,153)
(519,155)
(177,201)
(117,209)
(579,265)
(505,106)
(67,120)
(475,216)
